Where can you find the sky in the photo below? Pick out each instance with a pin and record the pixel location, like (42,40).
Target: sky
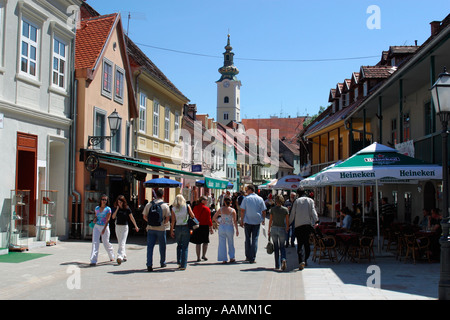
(290,53)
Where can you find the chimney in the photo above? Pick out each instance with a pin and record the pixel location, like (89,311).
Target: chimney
(192,111)
(435,27)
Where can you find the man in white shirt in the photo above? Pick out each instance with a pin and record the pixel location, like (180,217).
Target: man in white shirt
(305,216)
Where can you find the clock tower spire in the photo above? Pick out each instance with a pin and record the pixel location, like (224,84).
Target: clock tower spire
(228,89)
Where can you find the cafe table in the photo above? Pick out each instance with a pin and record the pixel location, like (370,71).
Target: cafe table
(347,239)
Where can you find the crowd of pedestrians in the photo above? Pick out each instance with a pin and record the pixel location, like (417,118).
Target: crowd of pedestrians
(294,217)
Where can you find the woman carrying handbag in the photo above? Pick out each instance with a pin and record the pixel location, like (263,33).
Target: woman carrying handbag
(278,227)
(179,229)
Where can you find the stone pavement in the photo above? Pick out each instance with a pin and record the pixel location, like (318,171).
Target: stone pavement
(65,274)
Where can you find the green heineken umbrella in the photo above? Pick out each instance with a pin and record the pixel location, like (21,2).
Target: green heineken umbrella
(313,181)
(378,163)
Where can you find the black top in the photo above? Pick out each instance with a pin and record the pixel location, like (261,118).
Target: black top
(122,216)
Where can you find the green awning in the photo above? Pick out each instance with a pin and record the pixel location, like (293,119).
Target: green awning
(139,166)
(214,183)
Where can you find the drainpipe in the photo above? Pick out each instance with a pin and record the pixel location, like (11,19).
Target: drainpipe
(76,196)
(75,228)
(135,189)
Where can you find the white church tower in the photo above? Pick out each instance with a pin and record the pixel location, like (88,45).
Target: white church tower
(228,90)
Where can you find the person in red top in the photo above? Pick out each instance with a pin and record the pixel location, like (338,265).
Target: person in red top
(201,234)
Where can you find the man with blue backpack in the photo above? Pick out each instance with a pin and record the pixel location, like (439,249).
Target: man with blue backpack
(157,215)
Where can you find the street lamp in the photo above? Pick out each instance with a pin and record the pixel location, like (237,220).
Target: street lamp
(441,98)
(114,124)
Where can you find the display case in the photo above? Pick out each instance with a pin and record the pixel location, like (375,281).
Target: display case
(91,200)
(47,217)
(20,207)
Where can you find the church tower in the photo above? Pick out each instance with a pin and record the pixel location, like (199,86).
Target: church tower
(228,90)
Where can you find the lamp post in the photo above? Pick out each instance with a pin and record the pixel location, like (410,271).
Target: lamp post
(114,124)
(441,98)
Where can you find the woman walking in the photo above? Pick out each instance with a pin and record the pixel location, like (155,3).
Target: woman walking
(121,215)
(179,229)
(201,235)
(278,228)
(227,223)
(101,229)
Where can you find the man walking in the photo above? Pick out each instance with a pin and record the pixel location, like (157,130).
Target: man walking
(305,216)
(157,215)
(253,213)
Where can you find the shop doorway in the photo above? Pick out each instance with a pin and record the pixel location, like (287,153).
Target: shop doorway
(429,198)
(26,169)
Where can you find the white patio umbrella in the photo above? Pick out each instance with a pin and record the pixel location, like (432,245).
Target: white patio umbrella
(291,182)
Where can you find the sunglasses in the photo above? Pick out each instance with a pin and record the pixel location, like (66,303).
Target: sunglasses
(104,199)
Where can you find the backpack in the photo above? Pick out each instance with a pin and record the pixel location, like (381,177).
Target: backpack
(155,214)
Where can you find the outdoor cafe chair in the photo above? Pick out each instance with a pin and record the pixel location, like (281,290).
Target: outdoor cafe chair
(365,249)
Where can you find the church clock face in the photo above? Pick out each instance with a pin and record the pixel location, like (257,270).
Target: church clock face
(226,84)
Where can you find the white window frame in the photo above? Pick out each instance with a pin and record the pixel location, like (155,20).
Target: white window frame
(226,116)
(118,97)
(116,141)
(61,83)
(30,44)
(167,124)
(102,132)
(107,92)
(177,127)
(156,118)
(142,112)
(2,32)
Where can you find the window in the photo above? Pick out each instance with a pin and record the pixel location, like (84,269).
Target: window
(59,63)
(119,83)
(107,78)
(166,123)
(366,89)
(116,140)
(226,100)
(225,116)
(127,139)
(142,112)
(429,123)
(99,126)
(177,127)
(29,49)
(2,19)
(406,127)
(394,131)
(155,118)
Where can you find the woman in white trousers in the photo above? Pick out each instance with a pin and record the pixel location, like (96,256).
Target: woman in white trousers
(121,215)
(101,229)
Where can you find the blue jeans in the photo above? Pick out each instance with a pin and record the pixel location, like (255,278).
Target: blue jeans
(290,235)
(278,235)
(182,237)
(251,241)
(152,236)
(226,236)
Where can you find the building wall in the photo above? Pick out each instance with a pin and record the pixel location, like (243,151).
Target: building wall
(33,105)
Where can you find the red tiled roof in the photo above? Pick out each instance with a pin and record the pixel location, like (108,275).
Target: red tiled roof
(377,72)
(91,38)
(288,127)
